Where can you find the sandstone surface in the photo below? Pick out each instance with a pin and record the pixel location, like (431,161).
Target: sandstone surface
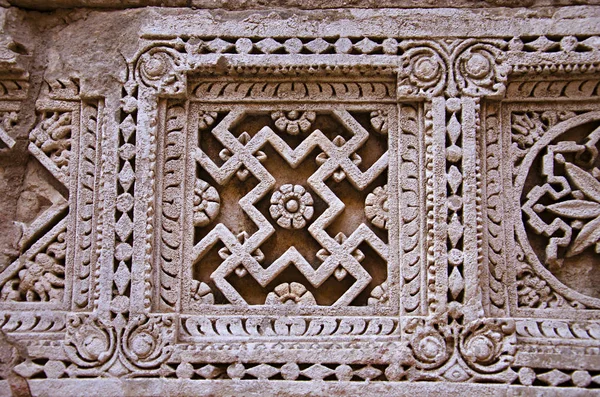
(250,198)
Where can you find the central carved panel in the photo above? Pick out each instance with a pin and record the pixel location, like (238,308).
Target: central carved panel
(288,198)
(559,175)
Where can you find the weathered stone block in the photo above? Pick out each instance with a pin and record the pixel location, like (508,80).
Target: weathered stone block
(230,199)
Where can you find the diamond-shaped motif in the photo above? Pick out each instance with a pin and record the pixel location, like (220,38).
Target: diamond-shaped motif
(209,371)
(366,46)
(219,45)
(453,129)
(54,369)
(592,43)
(542,44)
(455,230)
(554,377)
(262,371)
(268,45)
(126,176)
(456,283)
(124,227)
(368,373)
(28,369)
(127,127)
(318,46)
(454,178)
(317,372)
(122,277)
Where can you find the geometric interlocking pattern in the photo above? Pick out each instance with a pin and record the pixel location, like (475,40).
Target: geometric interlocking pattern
(291,203)
(322,205)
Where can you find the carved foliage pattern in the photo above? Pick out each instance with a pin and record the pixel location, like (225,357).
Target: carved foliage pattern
(495,211)
(432,177)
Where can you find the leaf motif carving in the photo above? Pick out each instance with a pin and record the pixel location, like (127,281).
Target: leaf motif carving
(584,181)
(588,235)
(578,209)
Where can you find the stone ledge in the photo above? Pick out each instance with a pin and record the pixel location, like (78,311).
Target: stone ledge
(197,388)
(301,4)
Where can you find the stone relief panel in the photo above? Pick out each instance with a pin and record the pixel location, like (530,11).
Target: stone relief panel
(63,143)
(554,267)
(283,206)
(302,209)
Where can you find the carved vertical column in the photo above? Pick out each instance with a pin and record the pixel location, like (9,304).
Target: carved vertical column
(493,237)
(455,208)
(109,138)
(471,195)
(124,217)
(147,115)
(90,149)
(412,170)
(170,200)
(159,74)
(440,209)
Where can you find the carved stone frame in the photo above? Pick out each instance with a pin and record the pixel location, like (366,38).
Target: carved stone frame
(454,264)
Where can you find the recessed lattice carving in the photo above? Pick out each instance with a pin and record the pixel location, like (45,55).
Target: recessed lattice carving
(302,193)
(293,204)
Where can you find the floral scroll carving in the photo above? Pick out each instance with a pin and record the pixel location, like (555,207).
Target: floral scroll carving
(89,341)
(297,208)
(470,68)
(162,69)
(451,350)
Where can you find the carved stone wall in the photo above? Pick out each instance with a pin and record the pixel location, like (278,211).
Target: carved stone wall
(299,202)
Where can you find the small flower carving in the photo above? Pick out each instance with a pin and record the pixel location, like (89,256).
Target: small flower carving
(376,207)
(42,279)
(293,122)
(291,206)
(532,291)
(206,119)
(290,294)
(379,295)
(206,203)
(379,121)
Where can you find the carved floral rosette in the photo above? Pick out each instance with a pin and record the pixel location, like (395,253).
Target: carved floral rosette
(242,213)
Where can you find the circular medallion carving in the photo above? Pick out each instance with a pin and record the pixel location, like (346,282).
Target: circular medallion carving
(207,203)
(559,182)
(377,207)
(291,206)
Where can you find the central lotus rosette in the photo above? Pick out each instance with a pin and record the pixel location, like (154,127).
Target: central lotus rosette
(291,206)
